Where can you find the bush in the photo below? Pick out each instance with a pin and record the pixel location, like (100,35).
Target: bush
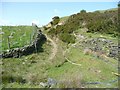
(83,11)
(11,79)
(44,27)
(56,19)
(65,37)
(52,31)
(95,22)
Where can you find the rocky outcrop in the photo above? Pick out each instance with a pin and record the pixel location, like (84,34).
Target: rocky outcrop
(35,46)
(113,51)
(102,45)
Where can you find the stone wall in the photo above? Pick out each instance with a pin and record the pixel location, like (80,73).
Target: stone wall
(35,46)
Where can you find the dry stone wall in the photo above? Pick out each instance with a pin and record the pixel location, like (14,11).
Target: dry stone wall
(35,46)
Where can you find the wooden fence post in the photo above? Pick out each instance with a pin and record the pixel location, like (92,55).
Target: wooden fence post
(8,43)
(35,47)
(30,38)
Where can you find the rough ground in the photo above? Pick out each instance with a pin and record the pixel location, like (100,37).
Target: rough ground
(55,47)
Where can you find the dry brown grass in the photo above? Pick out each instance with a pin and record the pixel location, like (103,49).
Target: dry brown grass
(98,54)
(71,81)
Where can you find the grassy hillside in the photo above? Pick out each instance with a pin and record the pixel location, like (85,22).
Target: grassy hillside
(18,36)
(73,64)
(95,22)
(113,9)
(30,71)
(63,19)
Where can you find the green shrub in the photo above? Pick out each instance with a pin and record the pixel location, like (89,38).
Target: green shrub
(66,37)
(52,31)
(95,22)
(11,79)
(55,21)
(83,11)
(44,27)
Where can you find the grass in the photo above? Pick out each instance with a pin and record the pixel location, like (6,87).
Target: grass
(91,35)
(90,71)
(19,36)
(29,71)
(23,67)
(93,69)
(17,85)
(33,73)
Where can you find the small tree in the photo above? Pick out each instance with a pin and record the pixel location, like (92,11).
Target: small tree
(66,37)
(119,4)
(56,20)
(83,11)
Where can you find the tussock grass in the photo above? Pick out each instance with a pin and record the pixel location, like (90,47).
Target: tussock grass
(70,81)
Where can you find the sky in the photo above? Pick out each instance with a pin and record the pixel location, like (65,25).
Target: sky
(41,13)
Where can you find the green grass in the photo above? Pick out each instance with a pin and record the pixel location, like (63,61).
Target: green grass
(87,75)
(88,71)
(20,36)
(17,85)
(91,70)
(33,73)
(96,35)
(90,67)
(67,74)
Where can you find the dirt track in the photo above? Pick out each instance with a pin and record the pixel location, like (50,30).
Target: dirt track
(55,47)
